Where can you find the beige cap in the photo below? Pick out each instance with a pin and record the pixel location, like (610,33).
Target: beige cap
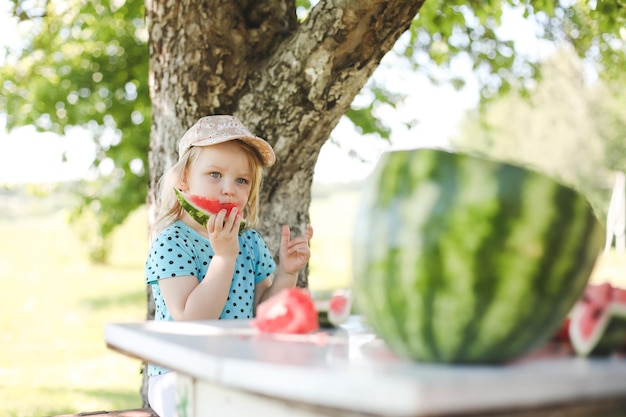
(211,130)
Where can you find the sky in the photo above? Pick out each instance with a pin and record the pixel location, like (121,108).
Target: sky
(27,156)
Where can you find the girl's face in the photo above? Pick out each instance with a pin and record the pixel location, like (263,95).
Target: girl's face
(220,172)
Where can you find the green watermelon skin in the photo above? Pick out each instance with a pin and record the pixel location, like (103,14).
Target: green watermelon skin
(196,213)
(458,259)
(614,335)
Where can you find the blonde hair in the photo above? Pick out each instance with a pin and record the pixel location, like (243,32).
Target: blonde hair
(170,210)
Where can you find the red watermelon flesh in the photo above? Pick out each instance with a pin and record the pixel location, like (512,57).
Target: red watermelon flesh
(290,311)
(562,335)
(338,304)
(596,299)
(210,206)
(333,308)
(597,323)
(619,295)
(339,307)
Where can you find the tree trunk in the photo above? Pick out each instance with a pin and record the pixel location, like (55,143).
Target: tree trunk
(288,82)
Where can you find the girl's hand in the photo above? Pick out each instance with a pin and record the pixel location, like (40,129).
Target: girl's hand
(224,232)
(294,253)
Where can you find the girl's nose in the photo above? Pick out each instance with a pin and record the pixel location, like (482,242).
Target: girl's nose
(228,188)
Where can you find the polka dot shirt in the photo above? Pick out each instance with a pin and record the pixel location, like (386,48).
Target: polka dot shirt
(181,251)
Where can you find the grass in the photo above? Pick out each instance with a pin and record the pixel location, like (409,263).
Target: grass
(54,307)
(54,304)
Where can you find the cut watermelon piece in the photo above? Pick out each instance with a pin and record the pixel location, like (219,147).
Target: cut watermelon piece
(597,323)
(333,308)
(290,311)
(201,208)
(562,335)
(210,206)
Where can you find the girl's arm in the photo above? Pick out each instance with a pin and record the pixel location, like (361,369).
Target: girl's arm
(188,299)
(293,256)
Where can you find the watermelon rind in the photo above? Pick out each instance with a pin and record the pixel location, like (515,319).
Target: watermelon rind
(197,213)
(326,317)
(607,337)
(461,259)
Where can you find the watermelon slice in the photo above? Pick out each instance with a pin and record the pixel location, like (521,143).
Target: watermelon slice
(290,311)
(597,324)
(333,308)
(200,208)
(562,335)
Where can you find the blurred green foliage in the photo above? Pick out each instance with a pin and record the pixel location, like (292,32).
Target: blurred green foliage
(571,128)
(85,63)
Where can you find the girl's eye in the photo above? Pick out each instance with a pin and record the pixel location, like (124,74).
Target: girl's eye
(215,174)
(242,181)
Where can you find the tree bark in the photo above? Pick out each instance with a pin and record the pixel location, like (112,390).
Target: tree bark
(289,83)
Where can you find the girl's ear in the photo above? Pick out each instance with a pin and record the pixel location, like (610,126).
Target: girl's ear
(182,182)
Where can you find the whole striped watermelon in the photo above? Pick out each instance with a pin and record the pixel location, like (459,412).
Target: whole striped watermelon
(458,259)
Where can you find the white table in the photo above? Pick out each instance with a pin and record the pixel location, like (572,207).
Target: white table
(230,369)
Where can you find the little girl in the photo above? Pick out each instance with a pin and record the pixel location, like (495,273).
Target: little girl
(214,272)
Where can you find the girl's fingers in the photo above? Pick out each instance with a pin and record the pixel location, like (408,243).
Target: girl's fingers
(304,249)
(221,221)
(309,232)
(304,239)
(286,233)
(299,244)
(230,221)
(233,221)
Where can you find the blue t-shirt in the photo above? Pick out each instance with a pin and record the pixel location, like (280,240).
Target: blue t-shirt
(181,251)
